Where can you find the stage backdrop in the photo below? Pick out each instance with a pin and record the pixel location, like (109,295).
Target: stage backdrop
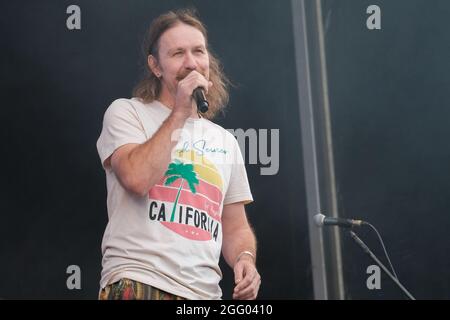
(390,116)
(57,83)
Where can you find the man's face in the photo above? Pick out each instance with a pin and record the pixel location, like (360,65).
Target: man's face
(182,49)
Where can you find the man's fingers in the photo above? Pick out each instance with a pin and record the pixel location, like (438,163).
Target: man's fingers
(238,273)
(247,280)
(249,272)
(249,291)
(244,282)
(195,79)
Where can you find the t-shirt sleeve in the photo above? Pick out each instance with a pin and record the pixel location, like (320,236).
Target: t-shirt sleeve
(121,125)
(238,187)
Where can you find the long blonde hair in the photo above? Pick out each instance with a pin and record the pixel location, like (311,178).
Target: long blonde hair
(149,88)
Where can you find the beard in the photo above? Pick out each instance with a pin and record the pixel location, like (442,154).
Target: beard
(181,74)
(184,73)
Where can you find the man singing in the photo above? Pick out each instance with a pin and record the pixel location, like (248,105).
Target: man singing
(176,182)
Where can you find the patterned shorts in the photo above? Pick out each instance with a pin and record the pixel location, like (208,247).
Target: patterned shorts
(127,289)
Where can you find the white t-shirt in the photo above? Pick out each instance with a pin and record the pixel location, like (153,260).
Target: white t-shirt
(172,238)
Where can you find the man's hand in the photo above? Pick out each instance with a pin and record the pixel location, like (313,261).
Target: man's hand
(183,98)
(247,279)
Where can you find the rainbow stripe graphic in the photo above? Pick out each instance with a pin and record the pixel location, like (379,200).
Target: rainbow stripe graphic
(193,189)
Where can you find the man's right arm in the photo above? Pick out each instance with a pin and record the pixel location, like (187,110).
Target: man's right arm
(140,166)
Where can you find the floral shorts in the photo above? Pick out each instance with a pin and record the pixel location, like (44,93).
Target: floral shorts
(127,289)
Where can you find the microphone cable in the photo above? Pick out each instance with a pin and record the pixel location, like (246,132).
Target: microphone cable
(383,246)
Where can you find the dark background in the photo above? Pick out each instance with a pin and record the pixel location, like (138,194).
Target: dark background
(56,85)
(390,117)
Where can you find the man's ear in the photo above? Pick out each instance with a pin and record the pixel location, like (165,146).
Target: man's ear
(153,65)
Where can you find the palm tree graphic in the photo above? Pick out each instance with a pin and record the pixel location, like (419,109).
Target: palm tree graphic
(177,170)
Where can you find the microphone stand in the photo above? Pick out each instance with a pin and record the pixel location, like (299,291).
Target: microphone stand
(370,253)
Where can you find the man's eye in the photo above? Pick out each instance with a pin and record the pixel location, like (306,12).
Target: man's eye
(178,53)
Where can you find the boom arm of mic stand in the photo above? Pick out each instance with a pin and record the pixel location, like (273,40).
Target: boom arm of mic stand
(370,253)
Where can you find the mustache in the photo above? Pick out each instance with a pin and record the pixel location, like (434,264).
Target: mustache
(183,74)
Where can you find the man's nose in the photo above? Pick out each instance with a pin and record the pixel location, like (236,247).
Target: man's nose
(189,61)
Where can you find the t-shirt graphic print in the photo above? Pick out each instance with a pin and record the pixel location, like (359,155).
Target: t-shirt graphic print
(188,198)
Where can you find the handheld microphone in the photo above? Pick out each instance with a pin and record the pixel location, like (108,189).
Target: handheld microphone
(202,103)
(322,220)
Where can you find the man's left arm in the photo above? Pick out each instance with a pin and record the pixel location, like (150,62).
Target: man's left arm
(239,251)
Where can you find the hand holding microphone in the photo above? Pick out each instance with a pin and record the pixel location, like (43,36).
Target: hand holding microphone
(191,88)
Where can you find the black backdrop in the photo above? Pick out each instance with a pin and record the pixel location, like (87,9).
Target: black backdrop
(390,118)
(56,85)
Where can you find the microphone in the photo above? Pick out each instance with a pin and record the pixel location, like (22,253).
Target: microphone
(199,96)
(322,220)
